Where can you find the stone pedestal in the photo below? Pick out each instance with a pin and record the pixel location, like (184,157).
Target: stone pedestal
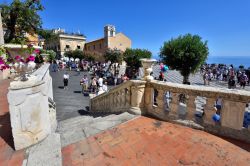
(147,68)
(32,110)
(137,99)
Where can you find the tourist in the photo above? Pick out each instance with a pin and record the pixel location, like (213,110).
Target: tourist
(218,105)
(206,78)
(54,66)
(105,86)
(161,76)
(100,83)
(66,80)
(231,83)
(84,82)
(125,78)
(94,84)
(115,80)
(243,80)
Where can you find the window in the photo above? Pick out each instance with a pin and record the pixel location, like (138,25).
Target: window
(67,46)
(100,45)
(78,47)
(94,47)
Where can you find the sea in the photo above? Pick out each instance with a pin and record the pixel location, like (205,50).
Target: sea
(236,61)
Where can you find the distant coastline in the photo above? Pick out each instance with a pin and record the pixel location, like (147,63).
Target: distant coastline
(228,60)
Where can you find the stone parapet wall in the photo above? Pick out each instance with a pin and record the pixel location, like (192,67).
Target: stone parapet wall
(182,106)
(32,112)
(122,98)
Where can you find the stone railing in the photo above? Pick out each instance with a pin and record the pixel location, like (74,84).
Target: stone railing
(32,110)
(180,104)
(193,106)
(125,97)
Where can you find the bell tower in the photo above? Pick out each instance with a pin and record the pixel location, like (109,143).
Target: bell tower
(109,31)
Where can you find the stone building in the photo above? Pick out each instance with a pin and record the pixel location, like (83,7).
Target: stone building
(65,42)
(111,40)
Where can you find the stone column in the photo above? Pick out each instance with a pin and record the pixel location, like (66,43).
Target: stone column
(32,119)
(137,99)
(147,69)
(1,30)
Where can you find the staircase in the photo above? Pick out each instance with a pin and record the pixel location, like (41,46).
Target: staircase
(75,129)
(70,131)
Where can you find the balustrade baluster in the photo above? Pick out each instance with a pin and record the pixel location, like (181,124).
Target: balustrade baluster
(174,105)
(209,111)
(128,97)
(191,107)
(160,100)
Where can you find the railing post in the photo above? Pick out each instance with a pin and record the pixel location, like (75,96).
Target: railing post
(137,99)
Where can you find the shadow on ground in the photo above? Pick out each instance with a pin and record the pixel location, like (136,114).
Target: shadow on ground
(5,130)
(86,112)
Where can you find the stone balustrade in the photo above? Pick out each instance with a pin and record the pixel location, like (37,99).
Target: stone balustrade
(180,103)
(125,97)
(32,110)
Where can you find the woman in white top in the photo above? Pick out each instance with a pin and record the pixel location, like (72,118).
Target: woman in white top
(66,80)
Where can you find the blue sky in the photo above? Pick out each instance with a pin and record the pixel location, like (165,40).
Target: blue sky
(224,23)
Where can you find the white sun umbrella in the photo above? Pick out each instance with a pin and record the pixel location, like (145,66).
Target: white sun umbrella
(72,59)
(77,59)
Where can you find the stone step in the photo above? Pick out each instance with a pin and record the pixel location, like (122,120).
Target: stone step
(74,122)
(47,152)
(77,129)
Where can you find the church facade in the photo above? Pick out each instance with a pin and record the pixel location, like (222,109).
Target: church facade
(111,40)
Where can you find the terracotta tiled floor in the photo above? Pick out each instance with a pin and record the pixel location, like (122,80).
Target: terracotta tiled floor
(7,154)
(145,141)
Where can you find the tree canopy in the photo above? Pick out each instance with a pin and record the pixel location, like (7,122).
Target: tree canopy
(47,35)
(75,54)
(115,56)
(132,57)
(185,53)
(21,17)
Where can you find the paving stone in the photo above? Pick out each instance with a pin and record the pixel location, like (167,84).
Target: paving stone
(184,146)
(48,152)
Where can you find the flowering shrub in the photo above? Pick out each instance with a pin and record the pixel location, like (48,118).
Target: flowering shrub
(3,62)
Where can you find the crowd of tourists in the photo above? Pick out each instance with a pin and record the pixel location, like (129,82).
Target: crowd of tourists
(224,73)
(97,75)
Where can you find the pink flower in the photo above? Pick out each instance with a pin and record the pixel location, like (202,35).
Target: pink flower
(37,51)
(1,61)
(18,57)
(31,58)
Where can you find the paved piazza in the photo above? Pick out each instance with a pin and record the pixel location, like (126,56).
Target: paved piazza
(69,102)
(195,79)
